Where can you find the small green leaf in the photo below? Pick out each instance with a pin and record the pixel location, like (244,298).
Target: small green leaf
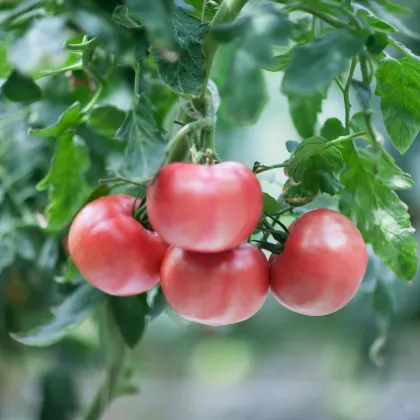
(370,200)
(106,119)
(332,129)
(270,204)
(398,84)
(314,65)
(304,110)
(315,164)
(243,105)
(357,122)
(130,314)
(66,316)
(146,146)
(258,33)
(64,180)
(292,145)
(297,195)
(363,93)
(69,119)
(374,21)
(185,72)
(20,88)
(195,8)
(157,302)
(278,63)
(155,15)
(377,42)
(127,20)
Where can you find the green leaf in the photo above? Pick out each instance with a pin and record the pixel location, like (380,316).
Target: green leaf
(380,215)
(146,146)
(243,100)
(156,17)
(270,204)
(157,303)
(69,119)
(374,21)
(304,110)
(357,122)
(377,42)
(332,129)
(195,7)
(398,84)
(258,33)
(297,195)
(20,88)
(363,93)
(66,316)
(125,18)
(64,180)
(278,63)
(314,65)
(315,164)
(292,145)
(186,72)
(106,119)
(130,314)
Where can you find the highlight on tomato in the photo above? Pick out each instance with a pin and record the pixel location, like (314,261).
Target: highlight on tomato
(204,208)
(322,265)
(113,251)
(215,289)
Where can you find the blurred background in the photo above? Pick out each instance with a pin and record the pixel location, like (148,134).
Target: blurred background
(276,366)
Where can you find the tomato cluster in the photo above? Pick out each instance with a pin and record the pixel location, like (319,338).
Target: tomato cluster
(201,216)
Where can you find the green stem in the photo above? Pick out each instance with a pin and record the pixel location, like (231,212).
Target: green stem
(227,12)
(284,211)
(138,182)
(47,73)
(264,168)
(342,139)
(369,113)
(346,94)
(178,145)
(322,16)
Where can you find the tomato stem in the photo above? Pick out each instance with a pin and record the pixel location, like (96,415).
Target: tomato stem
(139,182)
(258,168)
(176,147)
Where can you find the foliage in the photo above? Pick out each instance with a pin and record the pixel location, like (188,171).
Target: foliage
(66,69)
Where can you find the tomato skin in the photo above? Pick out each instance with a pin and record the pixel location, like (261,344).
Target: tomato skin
(322,266)
(112,251)
(204,208)
(215,289)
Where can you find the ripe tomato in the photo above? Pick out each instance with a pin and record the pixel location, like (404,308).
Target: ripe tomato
(204,208)
(322,266)
(112,250)
(215,289)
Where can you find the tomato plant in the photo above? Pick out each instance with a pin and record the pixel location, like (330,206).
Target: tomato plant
(117,134)
(215,289)
(204,208)
(322,266)
(112,250)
